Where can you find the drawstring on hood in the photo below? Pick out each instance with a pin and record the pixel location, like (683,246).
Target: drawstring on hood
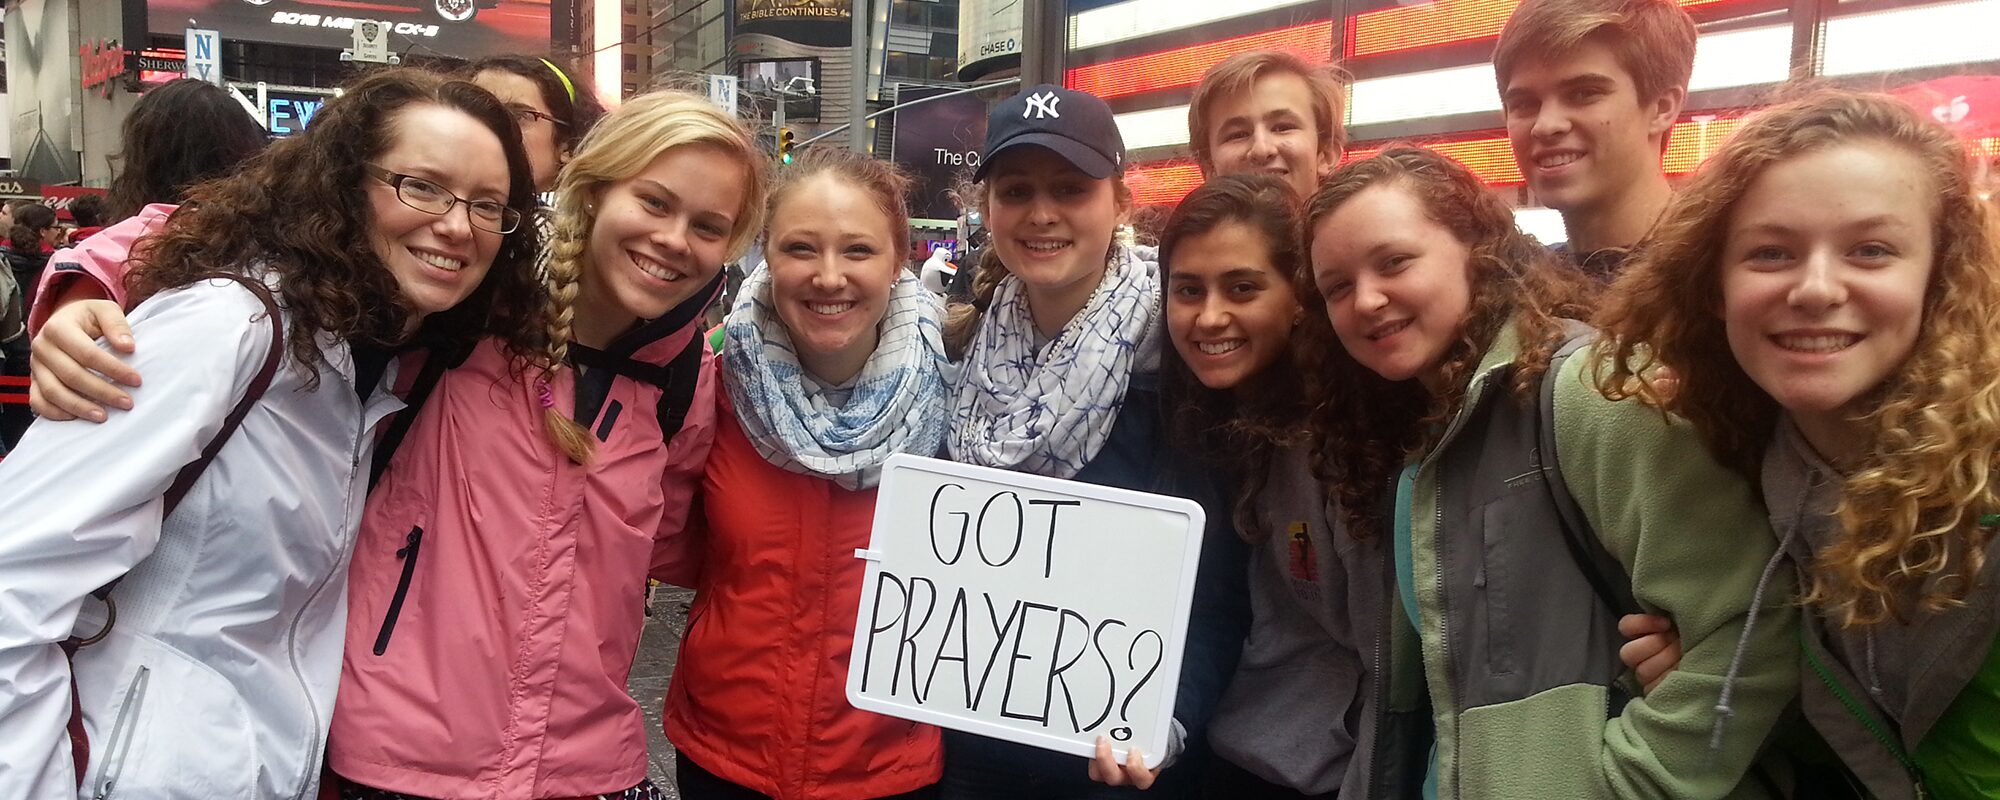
(1723,710)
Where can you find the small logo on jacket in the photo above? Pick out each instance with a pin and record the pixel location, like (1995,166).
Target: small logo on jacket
(1304,560)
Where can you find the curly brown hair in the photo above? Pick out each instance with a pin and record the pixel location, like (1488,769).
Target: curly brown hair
(1237,430)
(1364,427)
(1910,509)
(300,208)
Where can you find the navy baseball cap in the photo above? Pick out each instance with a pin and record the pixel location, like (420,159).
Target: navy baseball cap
(1076,125)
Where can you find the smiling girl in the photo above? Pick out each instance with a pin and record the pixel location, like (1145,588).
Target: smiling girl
(1290,722)
(394,218)
(1516,510)
(833,360)
(496,597)
(1059,377)
(1855,371)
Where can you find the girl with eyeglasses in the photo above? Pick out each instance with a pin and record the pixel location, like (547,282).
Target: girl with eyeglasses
(497,591)
(553,105)
(215,670)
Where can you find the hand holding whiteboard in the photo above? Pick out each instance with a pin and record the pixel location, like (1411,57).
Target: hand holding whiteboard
(1031,609)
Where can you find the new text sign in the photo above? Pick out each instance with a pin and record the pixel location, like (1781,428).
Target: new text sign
(1041,611)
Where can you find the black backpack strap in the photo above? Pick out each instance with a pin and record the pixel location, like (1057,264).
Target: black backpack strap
(677,392)
(183,481)
(1606,575)
(436,363)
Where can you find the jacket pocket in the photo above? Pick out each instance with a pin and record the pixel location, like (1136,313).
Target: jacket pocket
(413,545)
(1496,578)
(119,744)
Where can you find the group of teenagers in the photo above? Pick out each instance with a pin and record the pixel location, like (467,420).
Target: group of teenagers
(1700,505)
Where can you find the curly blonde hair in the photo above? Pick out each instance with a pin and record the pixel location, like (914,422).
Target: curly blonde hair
(1364,426)
(1909,512)
(624,143)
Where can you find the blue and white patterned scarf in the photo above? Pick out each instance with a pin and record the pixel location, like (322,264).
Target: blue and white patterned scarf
(1050,412)
(896,404)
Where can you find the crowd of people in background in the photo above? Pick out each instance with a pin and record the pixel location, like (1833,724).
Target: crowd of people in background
(354,454)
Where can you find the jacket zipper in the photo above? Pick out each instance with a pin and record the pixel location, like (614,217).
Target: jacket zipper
(120,744)
(412,544)
(315,741)
(1475,399)
(1860,714)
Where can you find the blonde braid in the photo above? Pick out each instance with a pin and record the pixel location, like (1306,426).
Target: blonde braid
(565,268)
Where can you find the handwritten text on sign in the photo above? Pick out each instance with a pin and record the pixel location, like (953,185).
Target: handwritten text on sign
(1031,609)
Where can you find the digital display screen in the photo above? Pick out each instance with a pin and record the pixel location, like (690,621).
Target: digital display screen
(458,28)
(288,112)
(795,79)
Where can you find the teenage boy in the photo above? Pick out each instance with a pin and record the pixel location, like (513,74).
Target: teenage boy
(1590,89)
(1269,111)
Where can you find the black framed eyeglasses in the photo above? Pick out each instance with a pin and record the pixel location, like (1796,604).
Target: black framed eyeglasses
(524,115)
(425,195)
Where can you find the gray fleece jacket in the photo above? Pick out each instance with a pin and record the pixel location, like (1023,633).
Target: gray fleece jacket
(1873,693)
(1292,712)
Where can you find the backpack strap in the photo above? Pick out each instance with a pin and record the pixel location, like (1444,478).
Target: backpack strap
(183,481)
(436,363)
(1606,575)
(677,393)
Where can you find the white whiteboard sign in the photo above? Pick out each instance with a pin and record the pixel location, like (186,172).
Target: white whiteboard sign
(1031,609)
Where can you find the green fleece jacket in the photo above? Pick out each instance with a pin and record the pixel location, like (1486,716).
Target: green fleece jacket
(1694,540)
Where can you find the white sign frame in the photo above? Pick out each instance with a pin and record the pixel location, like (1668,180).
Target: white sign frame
(912,487)
(204,67)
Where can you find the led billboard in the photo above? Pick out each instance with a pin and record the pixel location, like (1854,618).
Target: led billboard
(458,28)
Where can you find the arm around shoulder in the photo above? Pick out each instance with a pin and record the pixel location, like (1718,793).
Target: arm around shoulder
(1697,543)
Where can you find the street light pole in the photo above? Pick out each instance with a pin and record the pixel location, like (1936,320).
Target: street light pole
(857,80)
(1044,35)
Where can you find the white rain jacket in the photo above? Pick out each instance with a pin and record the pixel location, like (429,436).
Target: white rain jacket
(218,679)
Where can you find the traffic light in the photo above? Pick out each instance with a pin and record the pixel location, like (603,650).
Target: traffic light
(785,138)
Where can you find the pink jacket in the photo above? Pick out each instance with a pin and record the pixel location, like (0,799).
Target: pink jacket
(498,590)
(496,594)
(98,259)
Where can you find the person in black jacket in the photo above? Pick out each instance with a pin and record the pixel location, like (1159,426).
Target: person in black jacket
(1059,352)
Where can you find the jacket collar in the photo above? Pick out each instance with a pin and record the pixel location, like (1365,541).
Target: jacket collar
(659,340)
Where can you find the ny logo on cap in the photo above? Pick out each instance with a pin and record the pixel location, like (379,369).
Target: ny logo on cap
(1042,106)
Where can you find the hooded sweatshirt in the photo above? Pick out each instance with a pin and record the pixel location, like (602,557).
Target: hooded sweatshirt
(1877,693)
(1292,713)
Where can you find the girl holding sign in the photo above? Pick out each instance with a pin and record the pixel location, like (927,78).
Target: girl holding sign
(1059,355)
(1517,500)
(1856,372)
(833,361)
(495,602)
(1289,722)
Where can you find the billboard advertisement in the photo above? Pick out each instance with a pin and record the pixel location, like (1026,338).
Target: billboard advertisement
(459,28)
(795,79)
(43,79)
(818,23)
(989,36)
(936,143)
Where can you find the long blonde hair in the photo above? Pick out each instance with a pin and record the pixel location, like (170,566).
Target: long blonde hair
(624,143)
(1910,511)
